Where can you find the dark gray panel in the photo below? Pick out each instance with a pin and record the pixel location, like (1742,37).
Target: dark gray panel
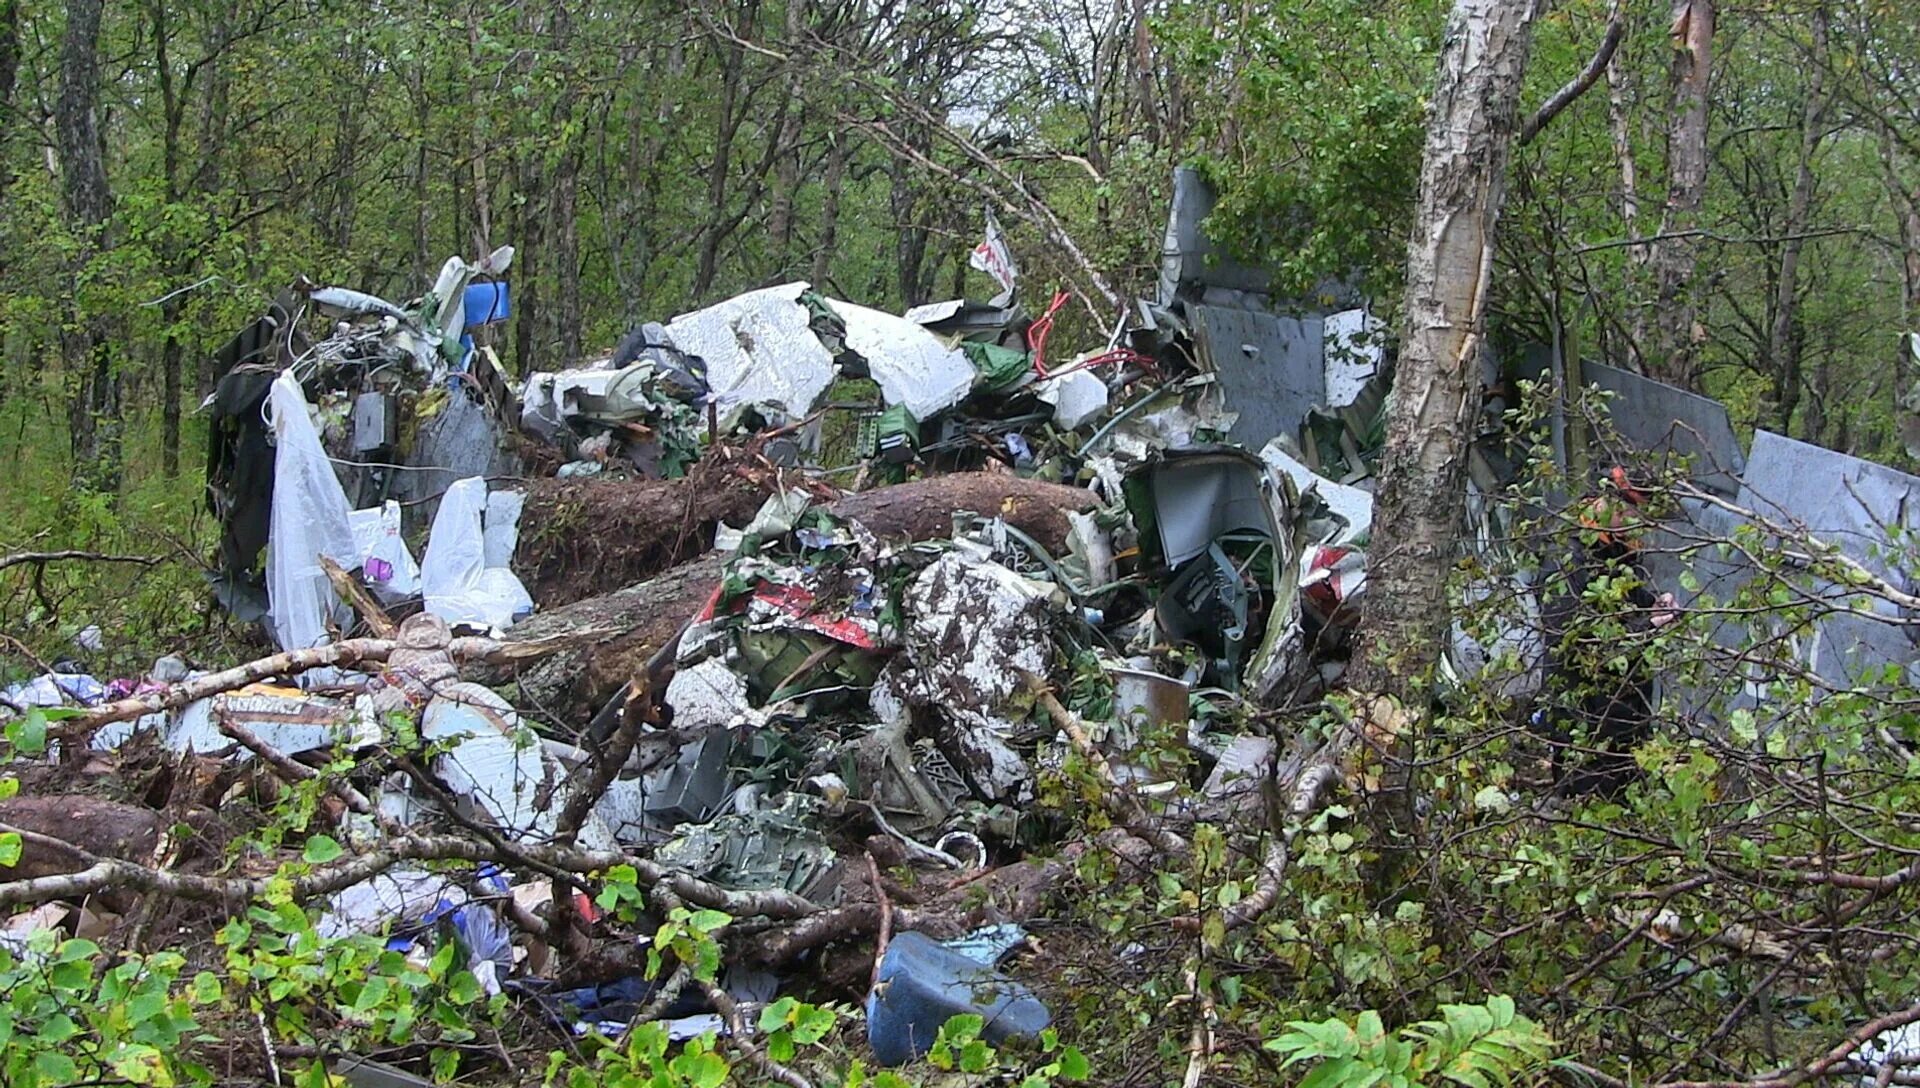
(1859,507)
(1272,369)
(1187,256)
(1663,420)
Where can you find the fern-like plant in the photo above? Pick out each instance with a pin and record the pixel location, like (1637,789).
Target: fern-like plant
(1474,1046)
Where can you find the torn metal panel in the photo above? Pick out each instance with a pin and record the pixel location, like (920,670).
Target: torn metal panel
(1187,256)
(1351,506)
(1198,499)
(1244,768)
(1867,511)
(1670,423)
(1271,368)
(1354,351)
(462,437)
(914,369)
(760,352)
(494,762)
(975,626)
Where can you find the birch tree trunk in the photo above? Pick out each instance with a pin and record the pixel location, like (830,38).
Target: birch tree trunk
(1422,498)
(1678,329)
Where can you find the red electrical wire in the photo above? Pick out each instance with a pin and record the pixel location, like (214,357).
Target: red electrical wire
(1037,332)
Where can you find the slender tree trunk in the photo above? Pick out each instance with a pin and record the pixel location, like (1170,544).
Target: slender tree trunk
(1906,370)
(9,77)
(567,316)
(1430,426)
(786,187)
(1634,274)
(422,263)
(1679,329)
(832,183)
(732,62)
(94,410)
(1785,338)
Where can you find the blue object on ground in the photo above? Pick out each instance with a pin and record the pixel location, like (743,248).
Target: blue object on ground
(923,984)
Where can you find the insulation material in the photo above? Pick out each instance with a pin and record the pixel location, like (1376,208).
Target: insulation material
(914,369)
(1077,397)
(760,352)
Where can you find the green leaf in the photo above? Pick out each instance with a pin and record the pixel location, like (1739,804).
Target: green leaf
(777,1014)
(322,849)
(813,1026)
(705,1070)
(142,1065)
(28,735)
(55,1068)
(1329,1074)
(10,850)
(1074,1065)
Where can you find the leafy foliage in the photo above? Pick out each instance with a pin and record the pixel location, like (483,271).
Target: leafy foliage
(1476,1046)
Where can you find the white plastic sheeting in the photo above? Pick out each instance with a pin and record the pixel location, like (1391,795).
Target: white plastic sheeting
(310,519)
(459,584)
(386,565)
(760,352)
(912,366)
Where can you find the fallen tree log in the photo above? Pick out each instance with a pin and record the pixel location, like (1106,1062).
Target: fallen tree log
(579,536)
(572,685)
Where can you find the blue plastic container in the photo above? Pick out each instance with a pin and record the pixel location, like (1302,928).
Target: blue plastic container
(923,984)
(487,303)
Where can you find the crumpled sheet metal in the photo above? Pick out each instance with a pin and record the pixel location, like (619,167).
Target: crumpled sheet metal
(1354,353)
(1353,505)
(760,351)
(494,762)
(912,366)
(976,625)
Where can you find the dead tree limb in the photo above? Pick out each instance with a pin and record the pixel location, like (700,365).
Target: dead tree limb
(102,873)
(1840,1054)
(1564,97)
(349,589)
(346,653)
(18,558)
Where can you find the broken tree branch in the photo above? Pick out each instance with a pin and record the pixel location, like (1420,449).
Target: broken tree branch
(18,558)
(1839,1054)
(346,653)
(348,588)
(1565,96)
(1126,806)
(102,873)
